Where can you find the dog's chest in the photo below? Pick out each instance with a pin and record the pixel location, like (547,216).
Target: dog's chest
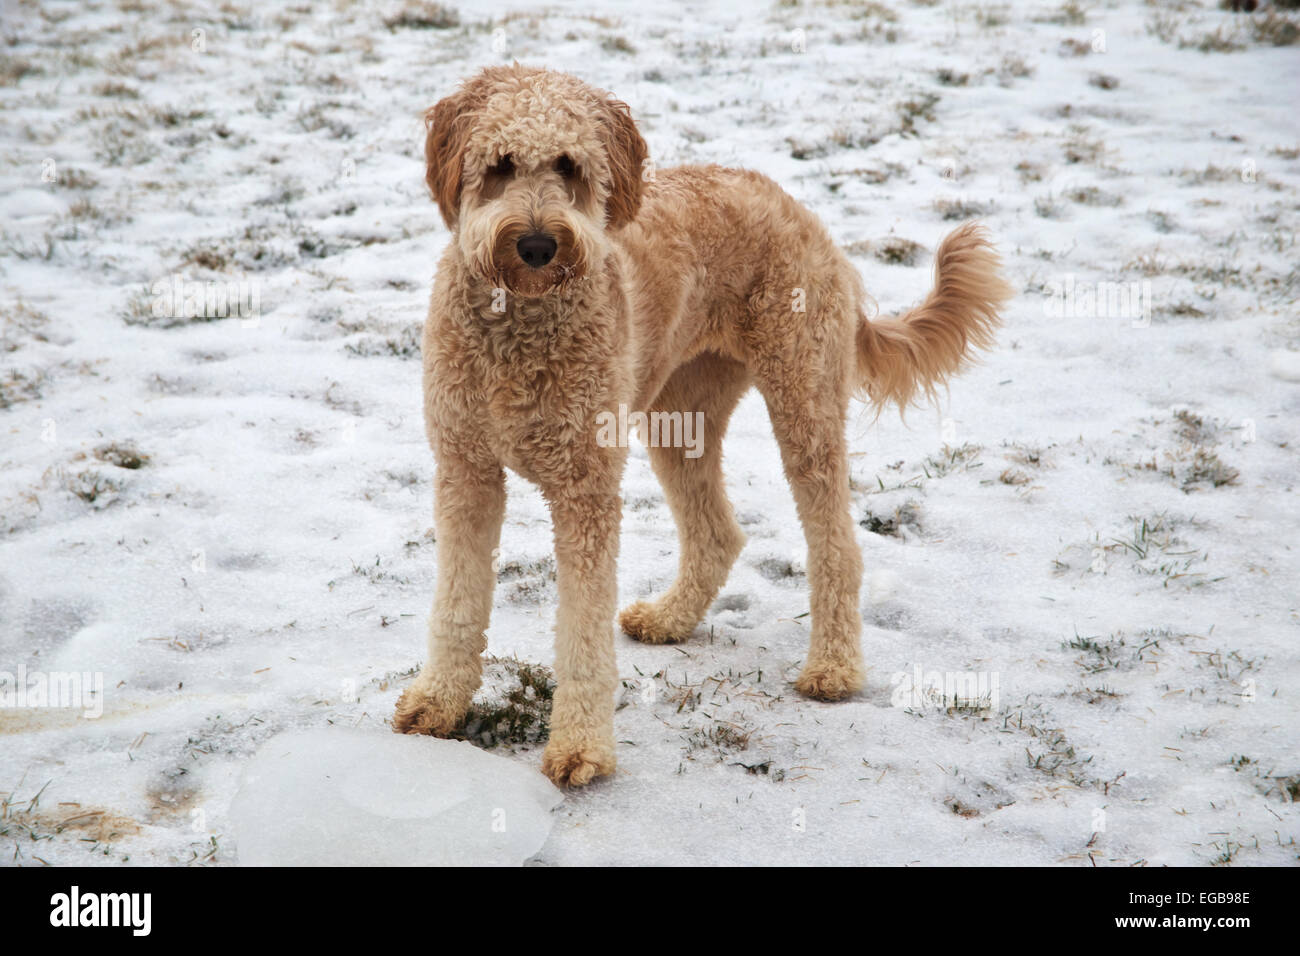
(533,383)
(540,415)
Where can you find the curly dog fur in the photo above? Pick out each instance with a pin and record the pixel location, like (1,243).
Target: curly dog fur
(579,280)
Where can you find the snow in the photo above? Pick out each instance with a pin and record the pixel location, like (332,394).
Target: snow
(337,796)
(1102,514)
(1285,365)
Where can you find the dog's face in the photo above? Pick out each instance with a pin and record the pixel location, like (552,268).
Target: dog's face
(530,168)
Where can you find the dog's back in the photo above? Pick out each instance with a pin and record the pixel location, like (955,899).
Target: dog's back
(720,259)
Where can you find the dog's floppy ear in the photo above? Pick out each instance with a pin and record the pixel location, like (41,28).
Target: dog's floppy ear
(448,123)
(626,152)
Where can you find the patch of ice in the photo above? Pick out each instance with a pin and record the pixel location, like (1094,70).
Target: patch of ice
(343,797)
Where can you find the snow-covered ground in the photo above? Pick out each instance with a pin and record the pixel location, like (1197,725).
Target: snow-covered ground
(1100,523)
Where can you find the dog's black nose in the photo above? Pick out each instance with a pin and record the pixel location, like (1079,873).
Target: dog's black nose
(536,249)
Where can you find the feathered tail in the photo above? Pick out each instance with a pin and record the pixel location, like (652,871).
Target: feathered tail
(906,356)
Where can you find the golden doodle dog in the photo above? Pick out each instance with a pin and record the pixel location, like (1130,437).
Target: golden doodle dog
(580,282)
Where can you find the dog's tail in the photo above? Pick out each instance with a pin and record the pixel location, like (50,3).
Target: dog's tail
(903,357)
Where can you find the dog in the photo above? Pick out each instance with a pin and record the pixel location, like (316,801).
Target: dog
(580,281)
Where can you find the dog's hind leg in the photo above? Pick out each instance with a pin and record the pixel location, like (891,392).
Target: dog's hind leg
(807,400)
(707,533)
(469,504)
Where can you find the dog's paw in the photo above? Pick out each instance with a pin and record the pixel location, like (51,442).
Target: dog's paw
(421,712)
(576,765)
(647,622)
(830,680)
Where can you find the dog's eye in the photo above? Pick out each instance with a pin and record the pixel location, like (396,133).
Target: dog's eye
(564,166)
(505,167)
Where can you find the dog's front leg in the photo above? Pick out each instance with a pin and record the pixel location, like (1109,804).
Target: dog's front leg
(586,524)
(469,504)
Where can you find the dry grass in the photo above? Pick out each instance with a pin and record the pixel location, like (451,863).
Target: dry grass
(122,455)
(513,710)
(1275,29)
(17,386)
(30,825)
(906,515)
(892,250)
(961,209)
(423,16)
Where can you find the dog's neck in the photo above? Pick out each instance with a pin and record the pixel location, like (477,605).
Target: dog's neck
(511,319)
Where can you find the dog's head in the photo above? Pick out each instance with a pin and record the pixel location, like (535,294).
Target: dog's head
(530,168)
